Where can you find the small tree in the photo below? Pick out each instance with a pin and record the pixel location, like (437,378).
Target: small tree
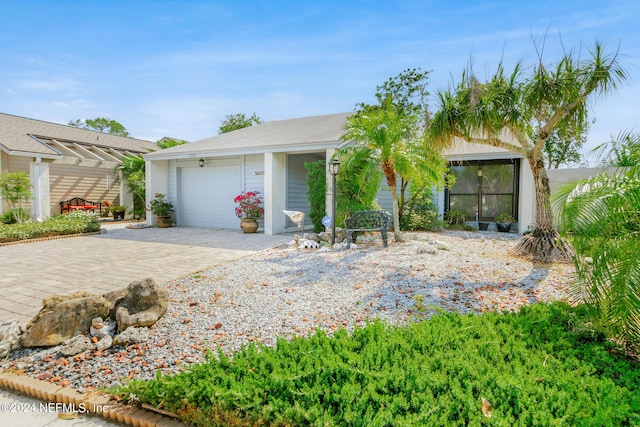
(168,143)
(389,133)
(520,113)
(316,192)
(16,189)
(101,124)
(238,121)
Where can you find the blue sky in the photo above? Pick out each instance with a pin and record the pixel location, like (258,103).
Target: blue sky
(176,68)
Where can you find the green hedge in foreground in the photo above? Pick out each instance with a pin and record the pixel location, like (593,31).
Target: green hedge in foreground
(536,367)
(73,223)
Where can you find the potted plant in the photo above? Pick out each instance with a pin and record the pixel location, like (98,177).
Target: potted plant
(249,210)
(504,221)
(162,209)
(118,212)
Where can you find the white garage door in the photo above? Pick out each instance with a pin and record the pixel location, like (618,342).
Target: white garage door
(206,195)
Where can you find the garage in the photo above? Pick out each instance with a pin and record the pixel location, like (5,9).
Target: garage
(207,193)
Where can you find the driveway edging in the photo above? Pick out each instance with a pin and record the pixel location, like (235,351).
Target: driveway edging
(93,403)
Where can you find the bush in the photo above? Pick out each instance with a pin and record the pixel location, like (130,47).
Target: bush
(541,366)
(420,220)
(73,223)
(317,192)
(455,216)
(420,213)
(14,216)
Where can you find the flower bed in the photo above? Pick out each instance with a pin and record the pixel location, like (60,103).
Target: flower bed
(73,223)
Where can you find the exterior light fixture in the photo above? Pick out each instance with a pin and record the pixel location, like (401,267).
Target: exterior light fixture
(334,167)
(201,163)
(480,171)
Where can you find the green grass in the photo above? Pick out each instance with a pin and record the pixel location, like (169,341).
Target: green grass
(73,223)
(541,366)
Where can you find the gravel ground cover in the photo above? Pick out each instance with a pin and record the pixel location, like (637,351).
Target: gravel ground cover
(285,292)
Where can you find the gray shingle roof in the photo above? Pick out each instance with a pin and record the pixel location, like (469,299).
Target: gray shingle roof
(279,135)
(19,135)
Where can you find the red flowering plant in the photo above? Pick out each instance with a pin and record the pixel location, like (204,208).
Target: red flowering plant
(249,205)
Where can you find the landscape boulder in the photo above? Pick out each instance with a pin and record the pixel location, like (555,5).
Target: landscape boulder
(9,337)
(62,317)
(132,336)
(76,345)
(143,304)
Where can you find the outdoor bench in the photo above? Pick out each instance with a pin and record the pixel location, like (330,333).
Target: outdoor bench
(367,221)
(78,203)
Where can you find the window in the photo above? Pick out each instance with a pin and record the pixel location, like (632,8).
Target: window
(485,187)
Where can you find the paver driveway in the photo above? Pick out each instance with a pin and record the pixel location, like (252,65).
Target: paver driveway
(109,261)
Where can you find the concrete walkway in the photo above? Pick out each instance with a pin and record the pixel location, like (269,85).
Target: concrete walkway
(109,261)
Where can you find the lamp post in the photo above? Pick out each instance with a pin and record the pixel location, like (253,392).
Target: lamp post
(334,167)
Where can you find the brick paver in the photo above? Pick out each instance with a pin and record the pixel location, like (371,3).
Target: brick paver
(109,261)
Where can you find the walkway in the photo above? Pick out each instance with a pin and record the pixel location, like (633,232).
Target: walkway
(109,261)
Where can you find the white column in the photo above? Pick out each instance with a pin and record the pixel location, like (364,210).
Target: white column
(275,189)
(527,197)
(157,181)
(41,203)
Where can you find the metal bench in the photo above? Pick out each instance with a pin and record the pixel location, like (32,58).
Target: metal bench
(367,221)
(78,203)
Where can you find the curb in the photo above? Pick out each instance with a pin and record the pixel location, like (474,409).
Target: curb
(93,403)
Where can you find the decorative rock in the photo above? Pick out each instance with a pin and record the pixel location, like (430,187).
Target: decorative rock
(323,249)
(105,343)
(354,246)
(9,337)
(427,249)
(114,297)
(143,305)
(132,336)
(100,328)
(443,246)
(76,345)
(309,244)
(62,317)
(311,236)
(325,236)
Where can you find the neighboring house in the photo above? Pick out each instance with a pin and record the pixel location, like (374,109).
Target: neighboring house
(65,162)
(202,178)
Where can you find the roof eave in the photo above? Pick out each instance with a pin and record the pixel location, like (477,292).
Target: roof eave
(289,148)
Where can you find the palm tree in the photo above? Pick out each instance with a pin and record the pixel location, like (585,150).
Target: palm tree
(385,134)
(603,215)
(519,114)
(133,172)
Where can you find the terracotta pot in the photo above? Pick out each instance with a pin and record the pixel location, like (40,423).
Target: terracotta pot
(163,221)
(249,225)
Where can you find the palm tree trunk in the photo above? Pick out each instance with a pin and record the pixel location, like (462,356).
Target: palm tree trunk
(544,243)
(390,173)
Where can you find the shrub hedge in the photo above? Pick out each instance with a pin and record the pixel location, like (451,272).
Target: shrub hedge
(541,366)
(73,223)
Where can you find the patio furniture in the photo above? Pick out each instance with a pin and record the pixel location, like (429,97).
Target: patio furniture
(78,203)
(367,221)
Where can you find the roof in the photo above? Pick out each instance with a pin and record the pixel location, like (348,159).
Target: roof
(276,136)
(29,137)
